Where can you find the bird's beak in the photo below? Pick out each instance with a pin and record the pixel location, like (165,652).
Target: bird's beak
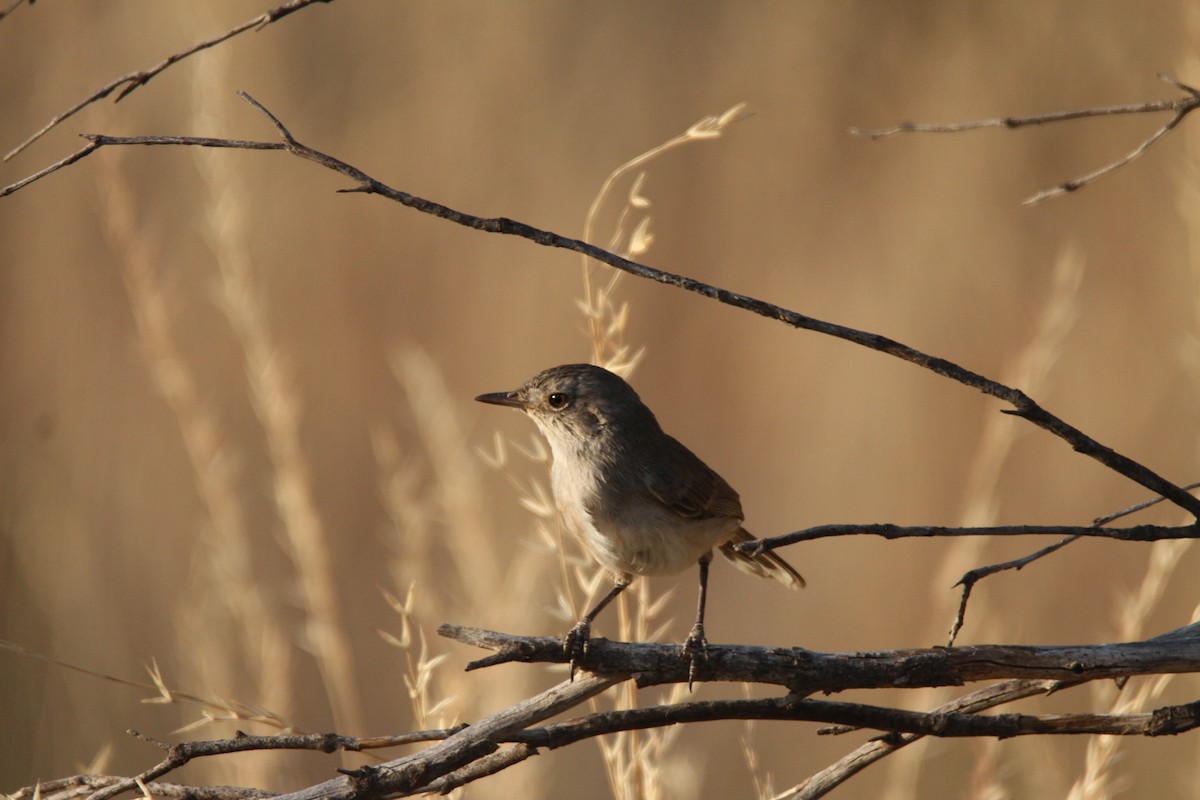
(510,399)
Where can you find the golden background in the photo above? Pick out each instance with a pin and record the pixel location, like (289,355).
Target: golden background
(237,405)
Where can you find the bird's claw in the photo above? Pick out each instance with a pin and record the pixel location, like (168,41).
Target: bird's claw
(695,647)
(575,644)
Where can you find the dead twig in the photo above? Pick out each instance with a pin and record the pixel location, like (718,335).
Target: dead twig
(971,577)
(1136,533)
(1179,106)
(13,6)
(470,752)
(849,765)
(141,77)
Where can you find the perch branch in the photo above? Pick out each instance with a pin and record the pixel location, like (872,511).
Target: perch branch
(805,671)
(1023,405)
(479,753)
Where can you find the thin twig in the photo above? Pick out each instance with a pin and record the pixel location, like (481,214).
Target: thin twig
(96,141)
(1180,106)
(971,577)
(1136,533)
(1136,507)
(1023,405)
(13,6)
(133,80)
(1083,180)
(1020,122)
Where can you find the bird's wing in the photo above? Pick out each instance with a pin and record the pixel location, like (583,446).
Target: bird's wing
(690,488)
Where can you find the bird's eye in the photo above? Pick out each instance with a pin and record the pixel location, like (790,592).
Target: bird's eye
(558,400)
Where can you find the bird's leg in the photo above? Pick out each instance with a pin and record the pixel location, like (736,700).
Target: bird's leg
(576,640)
(695,645)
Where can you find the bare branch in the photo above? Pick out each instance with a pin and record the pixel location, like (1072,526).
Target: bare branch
(78,155)
(1021,122)
(96,141)
(412,774)
(821,783)
(1180,106)
(1137,533)
(1083,180)
(84,786)
(971,577)
(1136,507)
(1024,406)
(804,671)
(489,765)
(1163,721)
(133,80)
(468,744)
(478,753)
(13,6)
(1167,720)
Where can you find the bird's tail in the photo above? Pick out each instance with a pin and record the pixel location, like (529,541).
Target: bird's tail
(764,565)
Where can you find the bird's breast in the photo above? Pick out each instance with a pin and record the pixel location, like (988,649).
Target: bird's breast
(629,531)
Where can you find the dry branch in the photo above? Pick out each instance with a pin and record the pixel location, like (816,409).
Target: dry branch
(1180,106)
(805,671)
(1023,405)
(141,77)
(13,6)
(470,752)
(1136,533)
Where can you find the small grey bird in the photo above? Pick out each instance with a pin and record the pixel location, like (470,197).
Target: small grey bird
(641,502)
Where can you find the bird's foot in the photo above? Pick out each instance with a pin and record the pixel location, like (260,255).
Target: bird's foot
(695,647)
(575,644)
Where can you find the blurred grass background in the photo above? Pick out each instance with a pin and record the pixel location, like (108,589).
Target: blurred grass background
(236,405)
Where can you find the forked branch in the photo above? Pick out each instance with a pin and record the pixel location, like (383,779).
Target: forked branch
(141,77)
(510,736)
(1179,106)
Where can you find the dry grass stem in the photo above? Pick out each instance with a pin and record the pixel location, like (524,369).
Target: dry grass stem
(248,615)
(606,320)
(276,401)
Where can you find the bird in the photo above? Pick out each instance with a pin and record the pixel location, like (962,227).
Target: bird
(640,501)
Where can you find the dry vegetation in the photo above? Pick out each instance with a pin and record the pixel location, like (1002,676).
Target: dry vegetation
(237,432)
